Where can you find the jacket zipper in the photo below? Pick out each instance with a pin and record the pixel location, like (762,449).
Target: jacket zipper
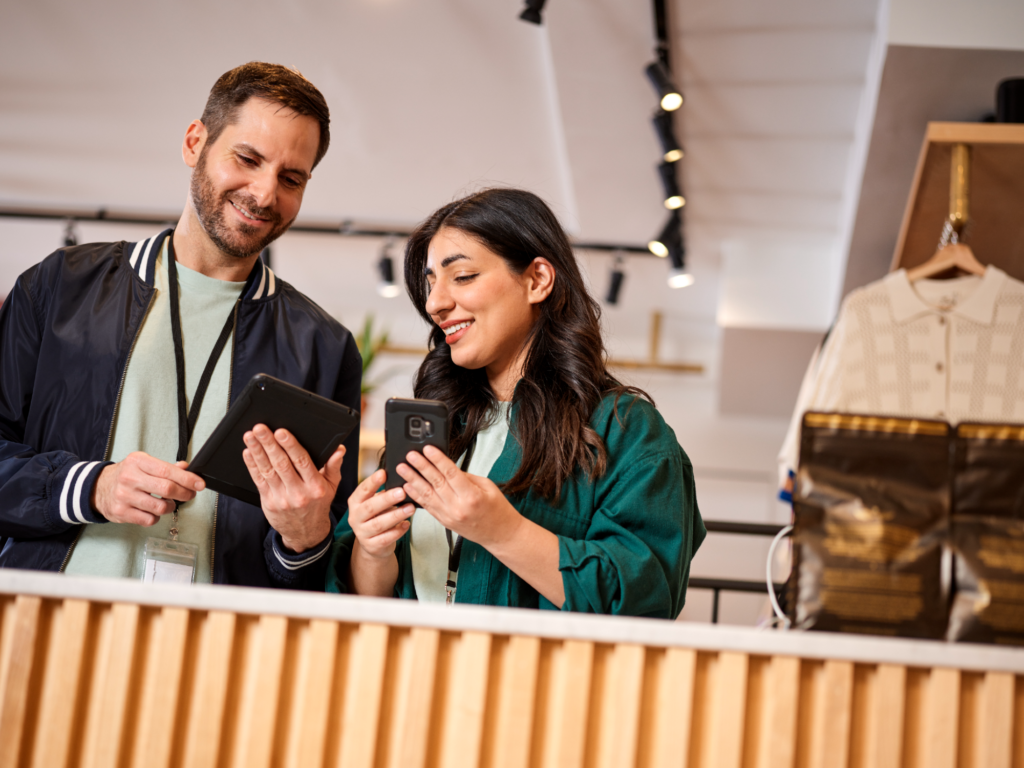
(231,379)
(113,416)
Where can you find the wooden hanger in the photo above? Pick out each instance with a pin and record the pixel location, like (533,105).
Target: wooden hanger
(955,255)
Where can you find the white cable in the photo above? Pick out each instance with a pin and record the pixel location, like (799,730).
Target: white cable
(768,575)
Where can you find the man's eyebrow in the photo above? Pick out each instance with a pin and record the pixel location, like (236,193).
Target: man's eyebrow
(427,271)
(249,149)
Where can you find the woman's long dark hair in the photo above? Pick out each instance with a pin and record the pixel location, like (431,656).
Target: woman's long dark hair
(564,374)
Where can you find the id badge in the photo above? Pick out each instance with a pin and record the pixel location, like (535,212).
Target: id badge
(169,562)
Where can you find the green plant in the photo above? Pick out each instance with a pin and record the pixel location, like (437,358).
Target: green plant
(369,345)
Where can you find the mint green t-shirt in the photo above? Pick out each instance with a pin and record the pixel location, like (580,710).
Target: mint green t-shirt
(427,539)
(147,419)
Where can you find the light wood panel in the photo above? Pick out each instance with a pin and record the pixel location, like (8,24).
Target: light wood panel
(120,684)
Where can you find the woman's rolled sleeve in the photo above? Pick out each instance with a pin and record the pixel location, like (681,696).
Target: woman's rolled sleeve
(635,557)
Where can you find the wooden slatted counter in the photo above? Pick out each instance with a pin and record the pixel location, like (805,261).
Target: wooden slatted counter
(118,673)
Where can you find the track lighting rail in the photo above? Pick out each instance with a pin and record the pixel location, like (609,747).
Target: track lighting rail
(344,228)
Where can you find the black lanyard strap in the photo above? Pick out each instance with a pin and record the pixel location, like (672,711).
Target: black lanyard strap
(455,548)
(187,417)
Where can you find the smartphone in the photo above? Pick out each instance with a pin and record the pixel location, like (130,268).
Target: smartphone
(409,425)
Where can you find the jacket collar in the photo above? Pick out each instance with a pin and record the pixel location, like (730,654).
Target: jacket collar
(261,283)
(979,307)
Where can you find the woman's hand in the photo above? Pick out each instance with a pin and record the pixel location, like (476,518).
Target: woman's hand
(471,506)
(375,520)
(475,507)
(378,525)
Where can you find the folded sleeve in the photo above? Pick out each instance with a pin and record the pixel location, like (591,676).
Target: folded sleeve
(635,557)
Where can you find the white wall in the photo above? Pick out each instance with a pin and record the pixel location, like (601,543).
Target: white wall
(997,24)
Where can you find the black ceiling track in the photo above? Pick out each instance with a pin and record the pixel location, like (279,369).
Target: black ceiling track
(346,228)
(661,33)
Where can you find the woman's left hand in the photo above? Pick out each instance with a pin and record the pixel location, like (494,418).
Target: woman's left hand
(469,505)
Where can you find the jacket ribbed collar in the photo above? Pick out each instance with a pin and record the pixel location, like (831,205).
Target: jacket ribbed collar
(261,283)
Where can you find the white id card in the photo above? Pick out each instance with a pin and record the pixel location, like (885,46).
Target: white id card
(169,562)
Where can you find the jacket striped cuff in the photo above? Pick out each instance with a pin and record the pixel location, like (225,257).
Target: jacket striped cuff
(75,492)
(294,562)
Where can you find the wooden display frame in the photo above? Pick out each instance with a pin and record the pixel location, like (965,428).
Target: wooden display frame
(996,229)
(114,672)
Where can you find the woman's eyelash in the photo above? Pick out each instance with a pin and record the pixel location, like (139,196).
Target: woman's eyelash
(464,278)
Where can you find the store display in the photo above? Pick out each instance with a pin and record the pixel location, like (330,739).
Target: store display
(876,502)
(934,349)
(987,534)
(871,507)
(988,478)
(988,606)
(912,345)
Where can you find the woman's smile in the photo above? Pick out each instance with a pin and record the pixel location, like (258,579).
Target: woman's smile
(453,331)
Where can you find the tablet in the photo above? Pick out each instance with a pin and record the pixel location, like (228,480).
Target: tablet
(320,425)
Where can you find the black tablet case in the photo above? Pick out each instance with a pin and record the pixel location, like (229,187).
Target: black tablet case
(320,425)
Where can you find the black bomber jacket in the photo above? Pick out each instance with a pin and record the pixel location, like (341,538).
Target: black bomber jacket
(66,335)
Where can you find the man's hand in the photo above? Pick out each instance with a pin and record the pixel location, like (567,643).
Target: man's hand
(296,498)
(124,492)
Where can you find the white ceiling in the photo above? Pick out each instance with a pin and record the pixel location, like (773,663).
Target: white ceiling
(776,96)
(97,96)
(432,100)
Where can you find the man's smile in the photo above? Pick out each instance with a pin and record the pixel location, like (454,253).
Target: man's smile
(246,214)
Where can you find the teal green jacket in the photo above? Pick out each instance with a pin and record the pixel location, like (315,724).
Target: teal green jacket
(625,539)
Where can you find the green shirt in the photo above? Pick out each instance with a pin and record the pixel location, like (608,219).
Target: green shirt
(625,539)
(147,418)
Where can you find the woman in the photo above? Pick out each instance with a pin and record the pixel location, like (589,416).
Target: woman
(576,495)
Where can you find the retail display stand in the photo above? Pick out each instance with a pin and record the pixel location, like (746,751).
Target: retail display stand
(995,189)
(105,672)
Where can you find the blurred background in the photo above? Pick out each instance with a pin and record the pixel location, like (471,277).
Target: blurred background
(800,130)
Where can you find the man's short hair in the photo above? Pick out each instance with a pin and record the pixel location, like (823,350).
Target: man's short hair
(272,82)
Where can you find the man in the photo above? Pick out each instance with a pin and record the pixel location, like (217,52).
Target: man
(98,371)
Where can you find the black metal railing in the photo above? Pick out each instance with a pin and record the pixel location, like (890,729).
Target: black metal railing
(717,586)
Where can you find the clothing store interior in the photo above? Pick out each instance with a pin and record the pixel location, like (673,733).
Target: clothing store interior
(798,228)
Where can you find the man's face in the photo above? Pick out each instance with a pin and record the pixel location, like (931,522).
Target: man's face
(247,186)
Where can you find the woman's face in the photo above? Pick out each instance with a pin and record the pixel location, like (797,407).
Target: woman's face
(484,308)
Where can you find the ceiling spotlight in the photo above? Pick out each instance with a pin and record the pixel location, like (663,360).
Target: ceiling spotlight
(662,122)
(386,266)
(671,97)
(615,282)
(671,234)
(678,277)
(70,238)
(673,196)
(532,12)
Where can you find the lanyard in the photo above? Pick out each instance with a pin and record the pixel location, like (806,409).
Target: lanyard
(187,417)
(455,547)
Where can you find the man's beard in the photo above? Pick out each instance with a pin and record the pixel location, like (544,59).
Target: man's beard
(245,240)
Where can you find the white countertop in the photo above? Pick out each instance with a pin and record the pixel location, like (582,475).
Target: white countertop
(518,621)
